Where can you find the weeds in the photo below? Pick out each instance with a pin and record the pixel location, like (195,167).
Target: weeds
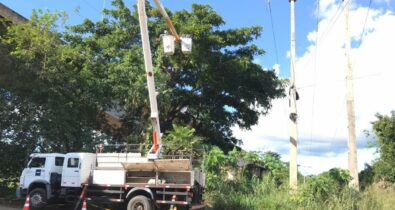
(265,194)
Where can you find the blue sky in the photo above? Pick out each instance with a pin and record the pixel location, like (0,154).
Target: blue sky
(322,114)
(235,13)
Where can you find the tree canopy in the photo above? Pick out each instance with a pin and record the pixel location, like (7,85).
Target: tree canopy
(384,131)
(56,84)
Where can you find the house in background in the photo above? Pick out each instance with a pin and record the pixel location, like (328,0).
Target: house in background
(10,15)
(247,168)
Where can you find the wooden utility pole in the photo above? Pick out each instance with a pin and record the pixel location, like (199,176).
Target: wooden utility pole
(293,116)
(352,146)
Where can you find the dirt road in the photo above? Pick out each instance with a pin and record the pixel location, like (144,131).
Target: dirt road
(52,207)
(2,207)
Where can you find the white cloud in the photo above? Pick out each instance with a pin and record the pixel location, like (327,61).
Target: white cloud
(327,6)
(276,68)
(318,164)
(321,82)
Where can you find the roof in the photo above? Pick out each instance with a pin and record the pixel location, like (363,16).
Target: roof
(46,155)
(11,15)
(244,163)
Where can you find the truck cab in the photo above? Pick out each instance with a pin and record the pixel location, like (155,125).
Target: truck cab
(49,176)
(41,173)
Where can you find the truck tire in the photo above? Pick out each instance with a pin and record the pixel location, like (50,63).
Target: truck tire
(140,202)
(38,198)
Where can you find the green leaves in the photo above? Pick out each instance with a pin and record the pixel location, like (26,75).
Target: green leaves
(55,83)
(219,165)
(210,90)
(54,91)
(384,131)
(181,139)
(218,83)
(325,187)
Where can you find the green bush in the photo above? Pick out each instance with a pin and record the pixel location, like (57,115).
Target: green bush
(8,187)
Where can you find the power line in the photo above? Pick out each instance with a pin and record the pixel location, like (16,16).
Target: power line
(332,22)
(338,81)
(273,33)
(314,75)
(364,24)
(103,8)
(91,6)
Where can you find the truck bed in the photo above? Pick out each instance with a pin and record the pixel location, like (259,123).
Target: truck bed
(133,170)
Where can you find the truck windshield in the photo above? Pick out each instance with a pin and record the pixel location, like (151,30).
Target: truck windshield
(37,162)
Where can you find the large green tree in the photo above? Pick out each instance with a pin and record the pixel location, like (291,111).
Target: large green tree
(55,85)
(50,86)
(218,85)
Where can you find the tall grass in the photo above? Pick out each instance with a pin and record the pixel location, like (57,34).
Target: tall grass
(265,194)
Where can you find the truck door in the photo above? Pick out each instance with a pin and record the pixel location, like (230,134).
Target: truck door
(35,170)
(71,172)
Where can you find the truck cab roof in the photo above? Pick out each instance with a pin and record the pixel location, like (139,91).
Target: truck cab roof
(47,155)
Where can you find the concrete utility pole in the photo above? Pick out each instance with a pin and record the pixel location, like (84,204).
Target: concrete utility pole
(293,116)
(153,154)
(352,146)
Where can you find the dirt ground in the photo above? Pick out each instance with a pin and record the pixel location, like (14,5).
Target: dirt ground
(3,207)
(53,207)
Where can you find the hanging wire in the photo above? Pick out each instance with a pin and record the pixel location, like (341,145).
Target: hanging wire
(332,82)
(332,22)
(314,77)
(269,7)
(91,6)
(364,24)
(103,8)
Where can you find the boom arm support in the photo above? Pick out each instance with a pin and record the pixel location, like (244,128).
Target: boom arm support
(167,18)
(154,152)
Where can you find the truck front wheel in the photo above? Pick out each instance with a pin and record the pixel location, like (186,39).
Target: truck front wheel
(140,202)
(38,198)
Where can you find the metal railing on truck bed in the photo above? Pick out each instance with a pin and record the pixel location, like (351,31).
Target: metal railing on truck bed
(179,167)
(121,153)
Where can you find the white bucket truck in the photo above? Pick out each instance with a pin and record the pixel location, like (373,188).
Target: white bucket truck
(124,177)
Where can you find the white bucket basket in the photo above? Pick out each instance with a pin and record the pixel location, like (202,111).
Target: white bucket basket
(168,44)
(186,44)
